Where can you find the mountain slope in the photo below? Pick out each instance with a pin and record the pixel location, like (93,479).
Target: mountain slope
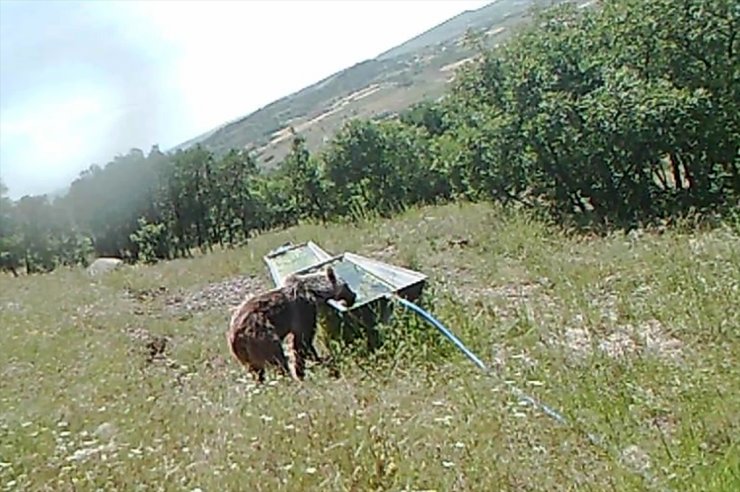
(482,18)
(416,70)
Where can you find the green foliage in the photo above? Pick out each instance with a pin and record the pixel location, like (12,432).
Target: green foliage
(150,240)
(616,116)
(590,112)
(37,236)
(305,187)
(379,166)
(9,240)
(427,115)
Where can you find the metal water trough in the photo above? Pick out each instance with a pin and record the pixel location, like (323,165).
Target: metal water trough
(374,282)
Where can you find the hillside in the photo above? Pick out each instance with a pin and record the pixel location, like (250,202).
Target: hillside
(125,381)
(581,238)
(416,70)
(485,18)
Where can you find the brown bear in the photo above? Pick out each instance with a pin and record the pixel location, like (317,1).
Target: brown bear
(259,325)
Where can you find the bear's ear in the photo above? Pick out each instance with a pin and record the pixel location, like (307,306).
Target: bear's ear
(331,275)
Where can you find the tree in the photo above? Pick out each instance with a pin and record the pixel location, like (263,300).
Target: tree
(378,166)
(305,184)
(234,200)
(10,248)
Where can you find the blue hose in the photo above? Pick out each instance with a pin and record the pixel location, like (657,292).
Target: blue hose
(431,319)
(446,332)
(522,396)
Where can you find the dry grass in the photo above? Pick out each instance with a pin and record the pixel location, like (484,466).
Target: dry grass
(106,386)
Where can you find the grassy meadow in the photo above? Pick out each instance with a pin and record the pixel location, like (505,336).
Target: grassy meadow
(124,381)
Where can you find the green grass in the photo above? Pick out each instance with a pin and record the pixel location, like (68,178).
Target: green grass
(635,339)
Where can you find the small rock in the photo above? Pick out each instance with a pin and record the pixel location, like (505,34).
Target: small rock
(461,242)
(105,430)
(635,457)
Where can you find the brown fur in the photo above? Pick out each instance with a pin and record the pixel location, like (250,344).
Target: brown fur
(260,324)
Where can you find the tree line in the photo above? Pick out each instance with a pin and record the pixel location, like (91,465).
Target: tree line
(619,115)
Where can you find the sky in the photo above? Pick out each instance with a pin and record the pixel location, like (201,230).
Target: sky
(81,82)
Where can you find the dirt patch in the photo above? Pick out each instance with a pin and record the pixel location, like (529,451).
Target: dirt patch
(635,457)
(286,133)
(455,65)
(577,341)
(510,291)
(657,340)
(650,338)
(222,295)
(154,350)
(507,300)
(618,344)
(666,424)
(152,346)
(389,254)
(144,295)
